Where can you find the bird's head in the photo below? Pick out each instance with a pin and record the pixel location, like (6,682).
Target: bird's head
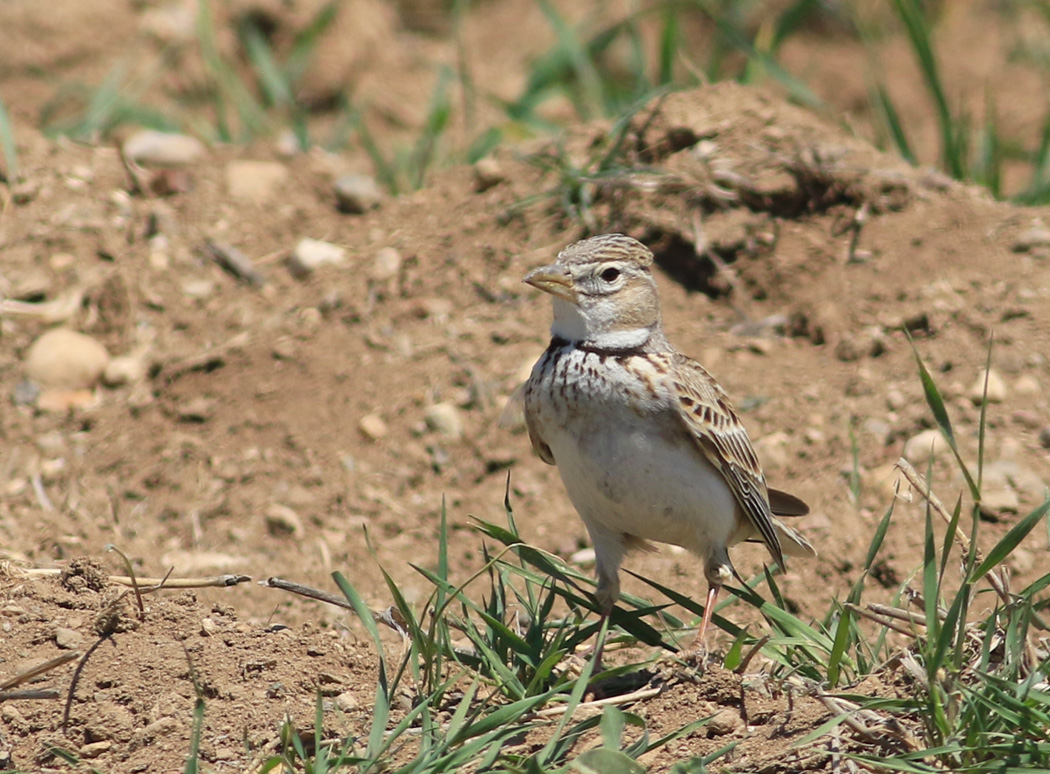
(604,292)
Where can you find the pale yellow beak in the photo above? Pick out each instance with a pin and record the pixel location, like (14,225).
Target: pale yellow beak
(553,279)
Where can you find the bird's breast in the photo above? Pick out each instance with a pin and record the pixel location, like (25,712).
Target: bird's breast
(625,457)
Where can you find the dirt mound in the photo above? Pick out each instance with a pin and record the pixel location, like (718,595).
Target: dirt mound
(269,425)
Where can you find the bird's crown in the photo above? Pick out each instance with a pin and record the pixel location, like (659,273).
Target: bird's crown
(606,247)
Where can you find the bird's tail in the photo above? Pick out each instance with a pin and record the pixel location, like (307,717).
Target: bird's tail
(791,542)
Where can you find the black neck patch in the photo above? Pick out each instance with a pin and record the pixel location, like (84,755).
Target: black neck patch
(557,342)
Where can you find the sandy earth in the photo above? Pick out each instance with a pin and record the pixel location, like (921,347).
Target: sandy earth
(274,425)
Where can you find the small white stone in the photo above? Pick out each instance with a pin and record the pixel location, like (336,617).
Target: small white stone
(198,289)
(346,701)
(1027,385)
(895,399)
(124,370)
(997,496)
(67,639)
(487,173)
(919,448)
(162,148)
(387,264)
(310,254)
(996,388)
(1036,236)
(282,520)
(255,181)
(357,193)
(372,427)
(444,418)
(66,360)
(208,627)
(585,557)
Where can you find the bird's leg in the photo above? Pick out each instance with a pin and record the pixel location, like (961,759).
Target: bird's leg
(709,609)
(697,651)
(608,550)
(599,646)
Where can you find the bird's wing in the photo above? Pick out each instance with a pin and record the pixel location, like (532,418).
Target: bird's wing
(518,405)
(712,422)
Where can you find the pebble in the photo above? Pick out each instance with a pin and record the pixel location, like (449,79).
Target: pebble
(127,369)
(444,418)
(355,194)
(311,254)
(197,410)
(585,557)
(725,721)
(284,348)
(1035,237)
(346,701)
(255,181)
(282,520)
(1027,385)
(95,749)
(63,401)
(67,639)
(52,470)
(1019,478)
(999,497)
(167,149)
(487,173)
(1021,560)
(919,448)
(1044,437)
(996,388)
(170,24)
(387,264)
(208,627)
(372,427)
(198,289)
(26,393)
(1026,418)
(66,359)
(879,429)
(885,481)
(870,342)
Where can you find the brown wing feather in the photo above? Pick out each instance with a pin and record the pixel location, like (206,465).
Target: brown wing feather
(543,451)
(710,418)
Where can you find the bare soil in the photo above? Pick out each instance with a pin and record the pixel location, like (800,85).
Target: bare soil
(255,396)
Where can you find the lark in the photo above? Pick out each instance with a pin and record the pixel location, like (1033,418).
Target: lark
(648,446)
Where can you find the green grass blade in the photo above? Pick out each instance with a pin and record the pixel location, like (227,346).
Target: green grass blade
(306,40)
(1010,541)
(592,90)
(838,647)
(670,43)
(940,415)
(930,580)
(919,36)
(276,89)
(887,111)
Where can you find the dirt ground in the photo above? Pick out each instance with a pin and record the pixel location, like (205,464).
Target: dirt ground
(275,424)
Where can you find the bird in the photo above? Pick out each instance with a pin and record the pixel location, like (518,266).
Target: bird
(646,441)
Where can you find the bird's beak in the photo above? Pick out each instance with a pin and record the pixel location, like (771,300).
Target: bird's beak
(553,279)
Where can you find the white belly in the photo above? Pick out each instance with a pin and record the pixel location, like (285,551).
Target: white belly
(635,482)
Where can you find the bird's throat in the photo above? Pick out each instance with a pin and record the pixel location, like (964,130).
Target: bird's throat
(611,343)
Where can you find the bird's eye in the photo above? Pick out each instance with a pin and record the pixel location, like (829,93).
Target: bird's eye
(610,275)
